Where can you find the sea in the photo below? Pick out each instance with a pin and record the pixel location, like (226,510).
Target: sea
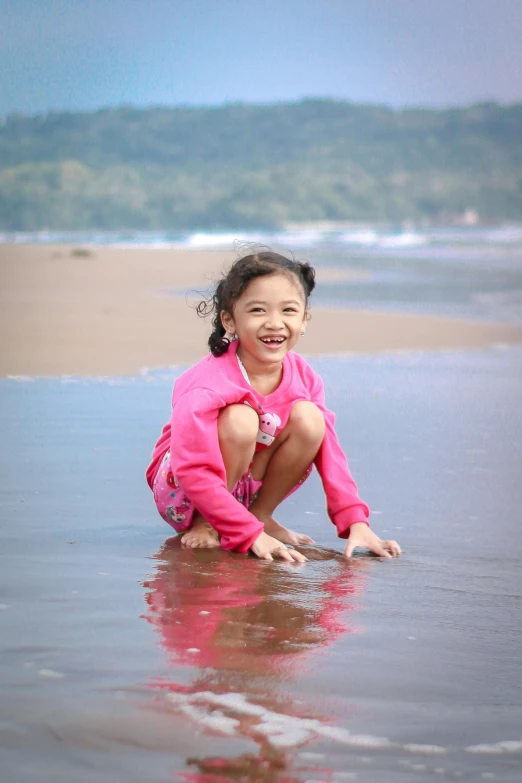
(126,659)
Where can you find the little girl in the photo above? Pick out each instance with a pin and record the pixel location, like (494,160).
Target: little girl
(249,422)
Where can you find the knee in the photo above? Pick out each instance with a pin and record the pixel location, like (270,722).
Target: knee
(307,421)
(238,425)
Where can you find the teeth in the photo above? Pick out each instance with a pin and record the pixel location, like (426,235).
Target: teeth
(272,339)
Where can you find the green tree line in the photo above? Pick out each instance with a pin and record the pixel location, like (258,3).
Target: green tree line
(241,165)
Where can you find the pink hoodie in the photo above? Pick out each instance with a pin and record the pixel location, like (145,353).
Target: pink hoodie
(192,437)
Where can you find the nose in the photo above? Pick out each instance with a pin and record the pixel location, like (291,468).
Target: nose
(274,321)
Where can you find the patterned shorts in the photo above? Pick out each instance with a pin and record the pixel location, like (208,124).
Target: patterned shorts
(178,510)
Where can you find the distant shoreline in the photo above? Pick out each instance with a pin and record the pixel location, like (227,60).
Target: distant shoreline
(300,231)
(103,313)
(245,165)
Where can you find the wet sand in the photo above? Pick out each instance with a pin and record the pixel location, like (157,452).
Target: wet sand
(125,657)
(68,310)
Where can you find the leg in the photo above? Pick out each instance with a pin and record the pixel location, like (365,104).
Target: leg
(283,464)
(237,431)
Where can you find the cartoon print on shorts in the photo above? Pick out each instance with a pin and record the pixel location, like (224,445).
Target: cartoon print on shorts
(175,517)
(268,424)
(177,513)
(171,481)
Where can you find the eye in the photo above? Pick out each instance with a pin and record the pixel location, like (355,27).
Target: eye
(256,310)
(290,310)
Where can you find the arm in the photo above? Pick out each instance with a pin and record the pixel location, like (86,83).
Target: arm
(344,505)
(345,508)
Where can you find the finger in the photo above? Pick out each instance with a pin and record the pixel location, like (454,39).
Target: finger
(266,556)
(302,539)
(350,546)
(393,547)
(297,556)
(378,549)
(283,553)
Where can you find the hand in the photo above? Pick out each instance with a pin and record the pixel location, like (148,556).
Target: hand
(361,535)
(267,548)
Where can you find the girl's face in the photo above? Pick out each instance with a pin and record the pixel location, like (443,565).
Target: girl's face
(268,317)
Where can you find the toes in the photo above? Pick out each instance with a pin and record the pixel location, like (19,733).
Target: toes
(195,542)
(190,541)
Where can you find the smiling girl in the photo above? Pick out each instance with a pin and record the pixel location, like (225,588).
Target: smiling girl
(249,422)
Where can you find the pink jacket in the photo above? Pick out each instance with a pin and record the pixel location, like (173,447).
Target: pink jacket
(192,437)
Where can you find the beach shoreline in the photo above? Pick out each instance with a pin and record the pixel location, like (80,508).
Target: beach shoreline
(101,310)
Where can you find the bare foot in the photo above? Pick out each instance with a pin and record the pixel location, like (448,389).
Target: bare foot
(274,529)
(201,535)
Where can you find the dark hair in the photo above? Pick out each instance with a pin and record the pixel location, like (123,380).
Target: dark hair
(235,281)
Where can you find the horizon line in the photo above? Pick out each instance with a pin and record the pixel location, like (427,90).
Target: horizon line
(260,104)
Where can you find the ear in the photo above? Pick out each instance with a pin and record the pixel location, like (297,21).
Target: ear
(305,319)
(227,321)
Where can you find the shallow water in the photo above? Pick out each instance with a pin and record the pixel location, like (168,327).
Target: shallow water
(126,658)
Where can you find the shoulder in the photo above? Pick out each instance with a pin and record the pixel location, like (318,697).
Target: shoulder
(311,379)
(209,372)
(194,373)
(213,377)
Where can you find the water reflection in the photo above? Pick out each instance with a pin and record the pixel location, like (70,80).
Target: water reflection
(247,633)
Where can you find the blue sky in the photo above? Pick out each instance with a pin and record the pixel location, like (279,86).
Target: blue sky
(84,54)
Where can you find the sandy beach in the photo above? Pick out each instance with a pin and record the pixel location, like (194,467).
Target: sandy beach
(114,311)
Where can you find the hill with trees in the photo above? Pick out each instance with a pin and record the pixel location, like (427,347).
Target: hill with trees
(240,165)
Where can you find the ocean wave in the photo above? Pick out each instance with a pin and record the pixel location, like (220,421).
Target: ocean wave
(374,239)
(304,238)
(458,242)
(209,240)
(295,238)
(369,237)
(407,239)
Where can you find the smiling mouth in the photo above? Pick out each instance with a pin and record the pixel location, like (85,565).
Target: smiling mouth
(273,341)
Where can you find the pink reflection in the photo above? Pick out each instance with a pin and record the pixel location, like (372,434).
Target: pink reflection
(247,628)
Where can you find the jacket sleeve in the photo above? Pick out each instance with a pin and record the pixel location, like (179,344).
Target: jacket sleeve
(344,505)
(198,467)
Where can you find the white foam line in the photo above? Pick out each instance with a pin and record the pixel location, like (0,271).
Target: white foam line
(287,731)
(427,750)
(50,674)
(279,729)
(356,740)
(214,722)
(233,701)
(506,746)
